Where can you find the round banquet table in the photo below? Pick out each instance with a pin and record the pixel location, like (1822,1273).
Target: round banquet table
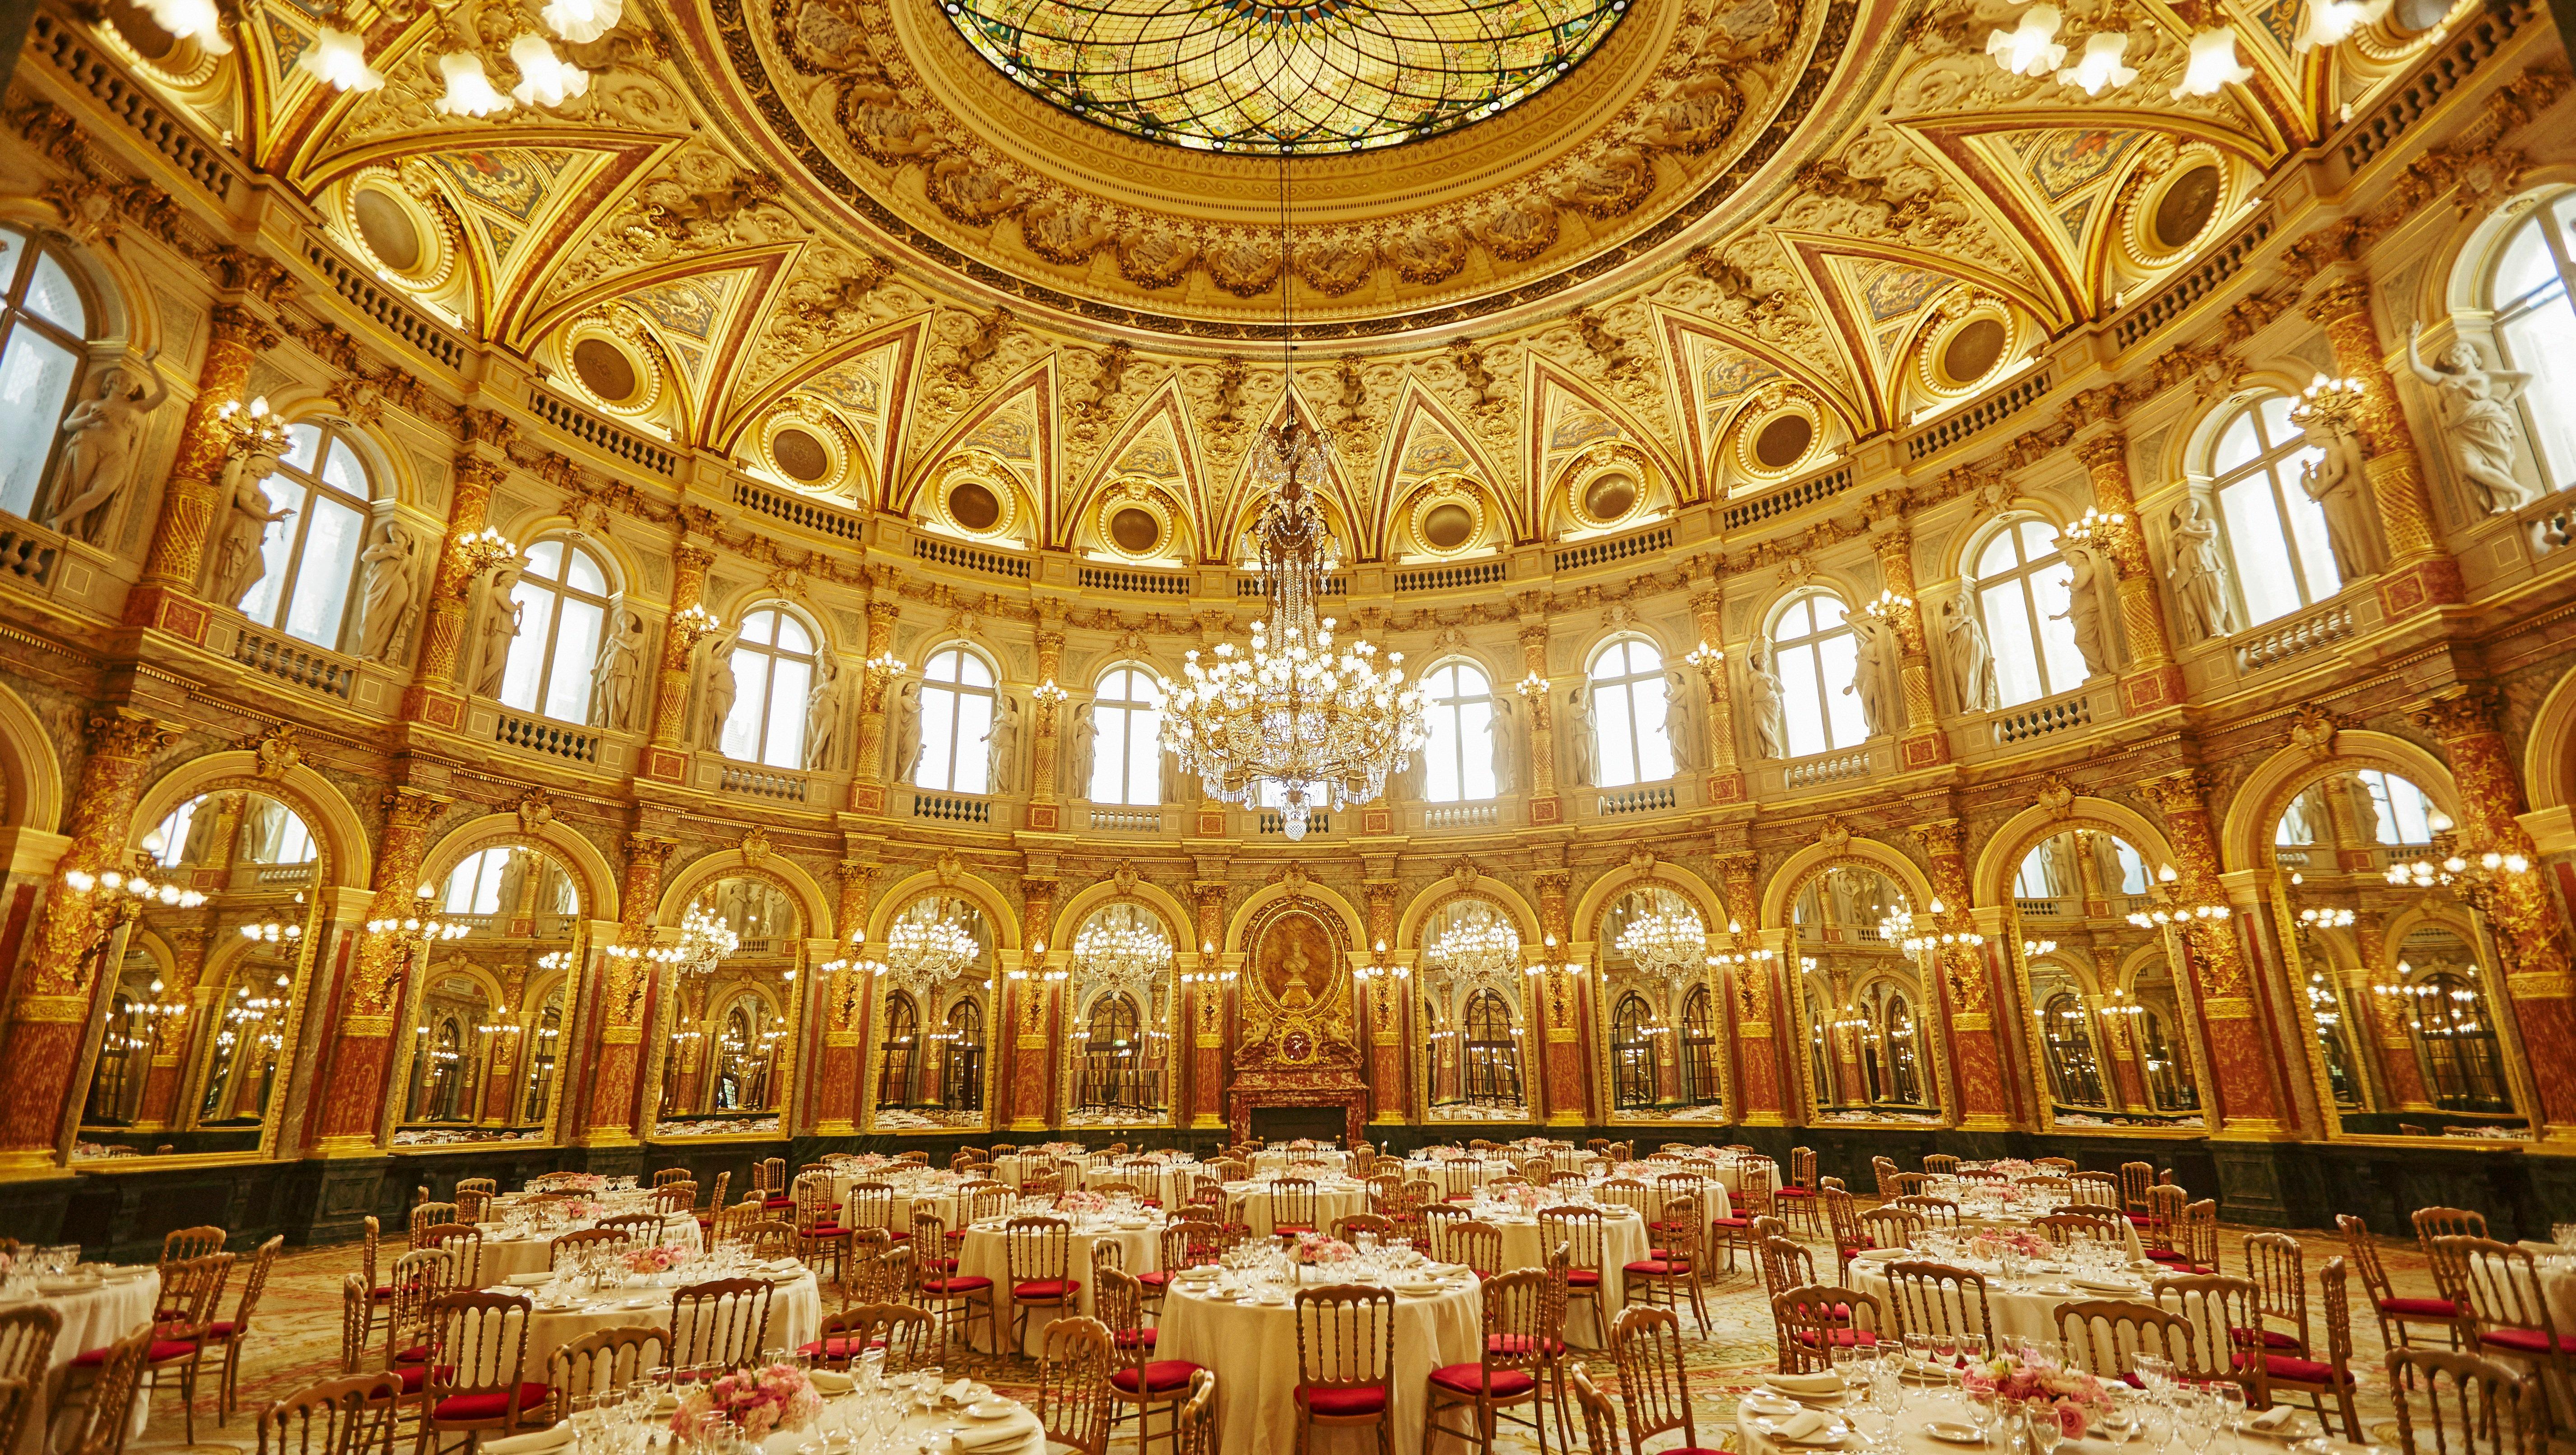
(1169,1184)
(1623,1241)
(1924,1406)
(1332,1200)
(1276,1159)
(1253,1350)
(795,1318)
(2558,1288)
(938,1190)
(1730,1173)
(506,1258)
(985,1254)
(1017,1167)
(1479,1171)
(92,1319)
(2020,1308)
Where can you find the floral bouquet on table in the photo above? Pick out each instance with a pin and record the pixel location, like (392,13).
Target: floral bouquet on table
(752,1402)
(570,1182)
(1993,1245)
(582,1209)
(2039,1386)
(656,1260)
(2011,1166)
(1317,1248)
(1081,1202)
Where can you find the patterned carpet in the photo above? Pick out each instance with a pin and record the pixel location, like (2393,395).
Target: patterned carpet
(298,1341)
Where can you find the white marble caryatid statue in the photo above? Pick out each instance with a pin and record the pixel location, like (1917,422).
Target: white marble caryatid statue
(2199,573)
(1763,703)
(1680,727)
(1873,659)
(392,594)
(1083,742)
(616,683)
(104,445)
(904,733)
(826,715)
(242,529)
(1002,746)
(716,689)
(2481,430)
(1581,740)
(2339,482)
(1177,786)
(1501,732)
(500,628)
(1972,657)
(2083,613)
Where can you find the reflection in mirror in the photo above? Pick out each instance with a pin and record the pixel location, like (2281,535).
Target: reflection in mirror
(1869,1051)
(2441,998)
(933,1003)
(1121,999)
(192,1045)
(2067,1044)
(731,984)
(1472,985)
(2090,1034)
(487,1016)
(1654,976)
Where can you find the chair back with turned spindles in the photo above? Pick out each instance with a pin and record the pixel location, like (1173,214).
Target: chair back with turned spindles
(1646,1344)
(27,1335)
(352,1415)
(1074,1401)
(2462,1404)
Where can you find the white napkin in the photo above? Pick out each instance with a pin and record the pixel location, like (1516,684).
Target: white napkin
(999,1432)
(2273,1419)
(956,1391)
(550,1439)
(2129,1235)
(782,1265)
(831,1381)
(1811,1384)
(1804,1425)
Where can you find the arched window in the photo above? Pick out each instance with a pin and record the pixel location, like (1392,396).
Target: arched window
(43,324)
(1699,1050)
(563,596)
(773,672)
(2535,329)
(310,558)
(1632,1050)
(2074,1077)
(1126,743)
(474,885)
(1628,714)
(961,1074)
(1814,654)
(2022,594)
(956,714)
(1493,1051)
(1111,1079)
(1904,1053)
(1459,759)
(2275,533)
(1821,1062)
(895,1057)
(544,1040)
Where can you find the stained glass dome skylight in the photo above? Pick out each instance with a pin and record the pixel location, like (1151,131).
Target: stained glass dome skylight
(1250,75)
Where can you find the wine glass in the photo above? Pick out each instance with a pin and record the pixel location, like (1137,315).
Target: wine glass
(2045,1433)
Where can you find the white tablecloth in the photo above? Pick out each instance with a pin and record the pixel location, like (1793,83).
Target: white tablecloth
(1276,1159)
(2021,1308)
(795,1318)
(1477,1171)
(505,1257)
(1623,1241)
(985,1254)
(1332,1200)
(1925,1406)
(1168,1183)
(94,1320)
(1016,1167)
(1254,1353)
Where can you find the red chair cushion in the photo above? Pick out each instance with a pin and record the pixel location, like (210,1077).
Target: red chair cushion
(2302,1371)
(1659,1267)
(384,1293)
(836,1347)
(1793,1192)
(1343,1404)
(161,1349)
(2144,1220)
(1136,1338)
(2431,1308)
(489,1406)
(2270,1338)
(2165,1255)
(954,1286)
(1040,1290)
(1469,1380)
(1291,1229)
(1730,1222)
(1839,1338)
(416,1354)
(1160,1375)
(1583,1278)
(957,1235)
(780,1202)
(220,1330)
(2520,1341)
(1153,1280)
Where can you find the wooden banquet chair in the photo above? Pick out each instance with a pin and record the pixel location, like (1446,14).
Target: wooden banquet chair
(476,1376)
(1137,1378)
(724,1322)
(2329,1378)
(230,1334)
(1037,1256)
(27,1335)
(1669,1273)
(1936,1298)
(2508,1315)
(1505,1376)
(2488,1407)
(191,1290)
(604,1359)
(1812,1322)
(1074,1405)
(1345,1361)
(2106,1335)
(352,1415)
(2399,1317)
(1646,1347)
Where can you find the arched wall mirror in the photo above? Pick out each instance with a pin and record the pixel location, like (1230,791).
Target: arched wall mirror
(1120,998)
(728,983)
(931,1020)
(1656,1015)
(194,1041)
(487,1019)
(1871,1045)
(2407,1038)
(2106,1031)
(1477,1058)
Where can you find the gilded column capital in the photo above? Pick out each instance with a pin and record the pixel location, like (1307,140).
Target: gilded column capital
(234,323)
(2339,300)
(647,851)
(409,810)
(124,733)
(2108,450)
(689,557)
(2462,713)
(2185,791)
(478,472)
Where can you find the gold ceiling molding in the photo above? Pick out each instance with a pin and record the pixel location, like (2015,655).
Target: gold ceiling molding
(893,121)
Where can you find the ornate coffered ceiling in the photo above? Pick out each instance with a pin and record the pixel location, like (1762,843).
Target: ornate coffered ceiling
(833,239)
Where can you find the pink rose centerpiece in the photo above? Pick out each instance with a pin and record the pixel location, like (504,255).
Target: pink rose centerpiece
(1317,1248)
(656,1260)
(573,1182)
(1081,1202)
(2039,1387)
(754,1402)
(582,1209)
(1991,1245)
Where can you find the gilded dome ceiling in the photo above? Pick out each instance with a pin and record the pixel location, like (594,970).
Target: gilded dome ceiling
(1314,76)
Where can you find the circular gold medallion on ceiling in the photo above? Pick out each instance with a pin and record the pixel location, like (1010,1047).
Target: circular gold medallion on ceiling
(1135,530)
(605,370)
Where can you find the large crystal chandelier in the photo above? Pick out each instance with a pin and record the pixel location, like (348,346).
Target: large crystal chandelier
(1122,947)
(1663,936)
(1318,724)
(705,941)
(928,945)
(1477,941)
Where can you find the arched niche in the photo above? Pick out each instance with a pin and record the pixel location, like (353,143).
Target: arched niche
(594,878)
(2153,1016)
(933,1014)
(29,768)
(1410,925)
(459,1058)
(2549,757)
(1121,1006)
(1294,886)
(2254,814)
(753,921)
(1474,1001)
(2000,861)
(348,855)
(1867,1024)
(1655,996)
